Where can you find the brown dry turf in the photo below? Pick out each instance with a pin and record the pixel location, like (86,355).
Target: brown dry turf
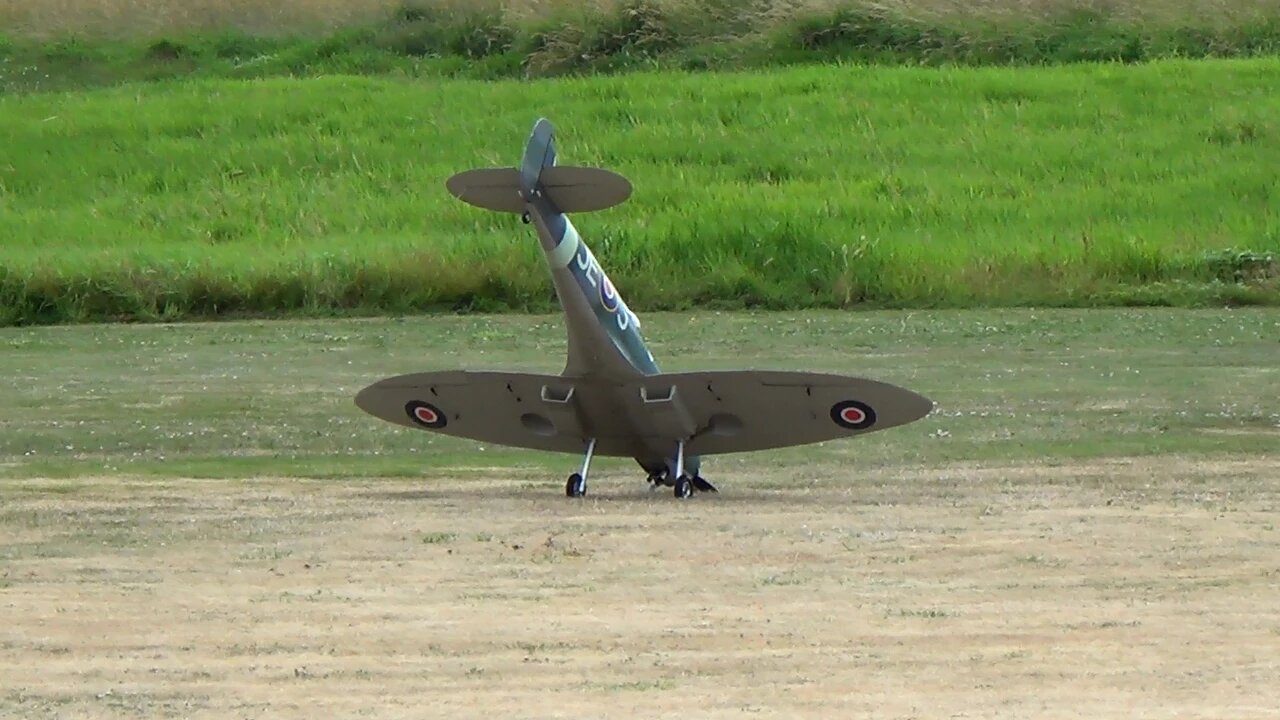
(1129,587)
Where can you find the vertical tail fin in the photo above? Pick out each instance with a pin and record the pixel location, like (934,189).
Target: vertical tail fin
(539,153)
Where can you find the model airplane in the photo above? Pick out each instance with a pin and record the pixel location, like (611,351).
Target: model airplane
(611,398)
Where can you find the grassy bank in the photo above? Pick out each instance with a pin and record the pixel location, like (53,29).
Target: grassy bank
(83,43)
(813,187)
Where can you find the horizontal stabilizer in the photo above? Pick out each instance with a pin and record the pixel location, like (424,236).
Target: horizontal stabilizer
(570,189)
(495,189)
(584,189)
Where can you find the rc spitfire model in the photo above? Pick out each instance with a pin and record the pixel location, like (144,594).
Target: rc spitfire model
(611,399)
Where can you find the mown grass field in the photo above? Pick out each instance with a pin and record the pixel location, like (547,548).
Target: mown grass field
(196,522)
(810,187)
(243,399)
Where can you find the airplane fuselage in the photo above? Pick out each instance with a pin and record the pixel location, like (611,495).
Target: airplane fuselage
(606,347)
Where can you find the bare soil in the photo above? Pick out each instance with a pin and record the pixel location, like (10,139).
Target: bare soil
(1138,587)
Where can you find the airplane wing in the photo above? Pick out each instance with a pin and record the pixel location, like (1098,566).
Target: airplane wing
(719,411)
(495,407)
(745,410)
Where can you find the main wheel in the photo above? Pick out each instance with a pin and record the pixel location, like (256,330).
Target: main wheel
(684,488)
(576,486)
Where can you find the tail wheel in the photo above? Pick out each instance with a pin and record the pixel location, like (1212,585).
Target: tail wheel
(576,486)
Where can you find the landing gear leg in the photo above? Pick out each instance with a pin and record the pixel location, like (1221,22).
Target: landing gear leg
(684,487)
(577,484)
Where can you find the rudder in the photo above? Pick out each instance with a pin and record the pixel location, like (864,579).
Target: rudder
(539,154)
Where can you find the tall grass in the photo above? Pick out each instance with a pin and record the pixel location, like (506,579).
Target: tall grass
(828,186)
(56,44)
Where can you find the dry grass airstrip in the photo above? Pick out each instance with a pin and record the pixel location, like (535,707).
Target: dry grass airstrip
(1108,588)
(196,522)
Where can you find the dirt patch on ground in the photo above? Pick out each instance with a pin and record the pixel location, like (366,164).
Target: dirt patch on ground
(1130,587)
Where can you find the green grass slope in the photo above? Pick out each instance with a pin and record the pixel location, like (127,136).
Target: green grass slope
(808,187)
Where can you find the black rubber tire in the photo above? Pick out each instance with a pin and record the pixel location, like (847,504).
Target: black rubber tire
(684,488)
(576,486)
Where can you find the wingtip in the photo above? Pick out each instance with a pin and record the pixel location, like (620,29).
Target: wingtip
(926,406)
(362,398)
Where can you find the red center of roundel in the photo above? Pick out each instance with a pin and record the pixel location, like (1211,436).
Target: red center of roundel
(853,415)
(425,414)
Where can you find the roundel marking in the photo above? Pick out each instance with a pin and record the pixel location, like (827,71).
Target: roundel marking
(853,415)
(425,414)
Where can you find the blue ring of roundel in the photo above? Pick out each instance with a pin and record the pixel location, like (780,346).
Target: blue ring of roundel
(868,415)
(413,406)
